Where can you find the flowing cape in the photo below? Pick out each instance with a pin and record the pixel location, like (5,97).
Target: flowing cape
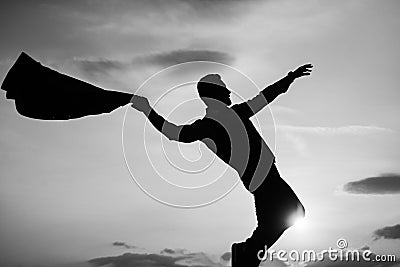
(42,93)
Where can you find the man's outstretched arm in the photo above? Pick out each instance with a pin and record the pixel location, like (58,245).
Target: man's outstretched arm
(268,94)
(182,133)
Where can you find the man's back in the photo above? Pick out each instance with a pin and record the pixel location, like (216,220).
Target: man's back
(229,133)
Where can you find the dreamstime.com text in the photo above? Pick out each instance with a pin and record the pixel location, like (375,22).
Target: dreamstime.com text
(341,253)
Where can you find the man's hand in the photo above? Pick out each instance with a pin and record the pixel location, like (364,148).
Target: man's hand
(301,71)
(141,104)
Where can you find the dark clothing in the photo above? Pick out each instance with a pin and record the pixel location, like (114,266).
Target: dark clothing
(229,133)
(42,93)
(276,207)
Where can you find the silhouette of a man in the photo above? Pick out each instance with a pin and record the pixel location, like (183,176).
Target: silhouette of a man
(229,133)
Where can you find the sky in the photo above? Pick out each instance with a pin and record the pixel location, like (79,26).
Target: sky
(66,194)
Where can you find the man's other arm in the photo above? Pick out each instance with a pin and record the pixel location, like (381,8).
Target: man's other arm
(271,92)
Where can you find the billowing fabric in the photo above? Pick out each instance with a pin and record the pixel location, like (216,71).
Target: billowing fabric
(43,93)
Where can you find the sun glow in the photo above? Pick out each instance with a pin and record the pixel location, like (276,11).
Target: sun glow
(300,222)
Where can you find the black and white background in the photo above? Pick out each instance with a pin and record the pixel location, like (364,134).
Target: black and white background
(66,196)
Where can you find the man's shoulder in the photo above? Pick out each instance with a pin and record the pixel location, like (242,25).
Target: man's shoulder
(243,110)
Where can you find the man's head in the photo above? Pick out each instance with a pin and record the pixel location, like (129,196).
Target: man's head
(211,87)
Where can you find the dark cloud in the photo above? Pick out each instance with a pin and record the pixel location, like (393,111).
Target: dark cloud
(203,10)
(222,5)
(122,244)
(365,248)
(226,256)
(217,11)
(388,232)
(183,55)
(168,251)
(95,66)
(92,67)
(146,5)
(384,184)
(130,259)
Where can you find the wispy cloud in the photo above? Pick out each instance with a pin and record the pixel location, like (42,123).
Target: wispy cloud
(183,55)
(192,9)
(93,66)
(381,185)
(122,244)
(296,135)
(278,109)
(298,143)
(343,130)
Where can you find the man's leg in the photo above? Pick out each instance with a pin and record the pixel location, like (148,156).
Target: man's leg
(247,253)
(275,203)
(269,229)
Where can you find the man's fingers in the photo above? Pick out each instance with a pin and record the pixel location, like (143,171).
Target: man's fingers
(307,67)
(304,69)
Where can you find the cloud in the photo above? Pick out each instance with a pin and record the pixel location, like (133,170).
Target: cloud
(122,244)
(219,8)
(388,232)
(383,184)
(298,143)
(168,251)
(93,66)
(186,55)
(204,10)
(226,256)
(123,19)
(365,248)
(278,109)
(166,258)
(130,259)
(347,130)
(297,134)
